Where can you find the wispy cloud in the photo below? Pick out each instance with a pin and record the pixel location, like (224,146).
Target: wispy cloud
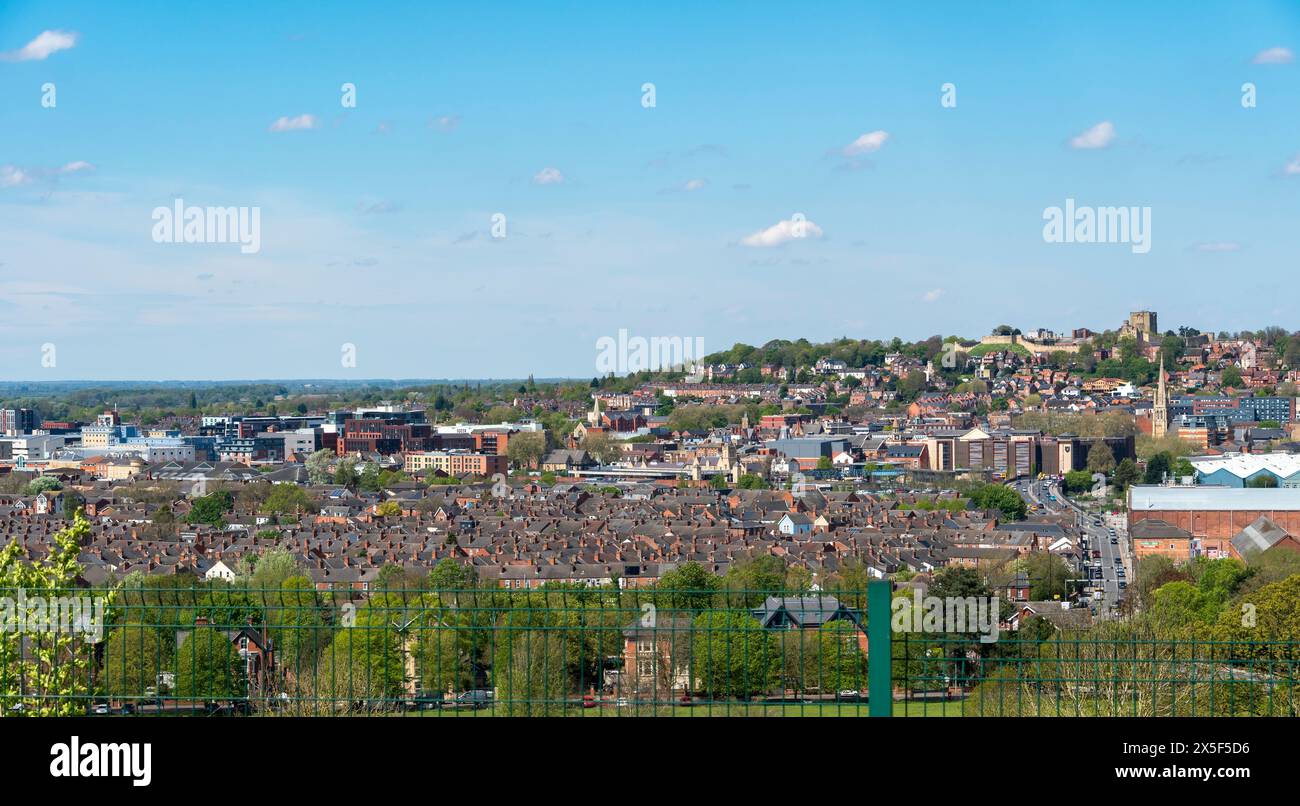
(12,176)
(1292,168)
(75,166)
(868,143)
(689,186)
(445,123)
(548,176)
(288,124)
(1218,246)
(932,295)
(1098,136)
(376,207)
(783,231)
(1278,55)
(43,46)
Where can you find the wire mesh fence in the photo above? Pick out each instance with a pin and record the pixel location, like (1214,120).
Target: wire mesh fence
(217,649)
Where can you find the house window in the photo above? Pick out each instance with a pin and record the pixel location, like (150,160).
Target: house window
(644,646)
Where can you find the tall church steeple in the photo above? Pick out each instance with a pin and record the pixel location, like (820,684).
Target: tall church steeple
(1160,409)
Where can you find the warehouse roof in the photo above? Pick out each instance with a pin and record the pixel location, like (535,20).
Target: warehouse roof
(1153,497)
(1245,465)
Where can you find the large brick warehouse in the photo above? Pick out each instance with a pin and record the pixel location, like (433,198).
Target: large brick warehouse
(1212,515)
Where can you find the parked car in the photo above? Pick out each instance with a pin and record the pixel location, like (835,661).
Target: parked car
(426,701)
(474,700)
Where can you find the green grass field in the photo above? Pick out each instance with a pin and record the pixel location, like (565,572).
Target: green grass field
(846,709)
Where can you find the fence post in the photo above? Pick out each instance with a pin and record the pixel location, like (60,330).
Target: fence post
(880,694)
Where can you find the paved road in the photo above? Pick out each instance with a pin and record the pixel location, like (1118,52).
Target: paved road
(1046,495)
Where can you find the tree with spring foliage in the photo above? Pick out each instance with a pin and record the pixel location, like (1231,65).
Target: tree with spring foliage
(207,667)
(46,673)
(133,658)
(732,655)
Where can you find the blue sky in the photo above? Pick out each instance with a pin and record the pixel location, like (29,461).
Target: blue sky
(375,220)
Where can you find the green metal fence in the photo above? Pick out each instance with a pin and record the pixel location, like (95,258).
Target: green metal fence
(201,650)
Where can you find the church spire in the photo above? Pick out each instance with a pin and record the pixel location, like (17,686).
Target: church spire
(1160,409)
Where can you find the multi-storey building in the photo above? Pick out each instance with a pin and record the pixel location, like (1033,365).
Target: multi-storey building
(457,463)
(16,422)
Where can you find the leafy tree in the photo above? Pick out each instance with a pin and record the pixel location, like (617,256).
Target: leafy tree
(296,623)
(42,484)
(1230,377)
(732,655)
(133,657)
(286,499)
(1263,480)
(1101,459)
(207,667)
(999,497)
(826,660)
(531,676)
(751,580)
(525,450)
(270,570)
(58,665)
(345,472)
(687,587)
(1158,467)
(1048,574)
(211,508)
(449,575)
(389,509)
(601,447)
(318,466)
(1126,472)
(1078,481)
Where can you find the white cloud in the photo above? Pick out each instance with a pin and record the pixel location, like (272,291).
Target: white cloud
(78,165)
(694,184)
(1218,246)
(445,123)
(1277,55)
(288,124)
(795,228)
(1292,168)
(12,176)
(1098,136)
(932,295)
(548,176)
(866,143)
(44,45)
